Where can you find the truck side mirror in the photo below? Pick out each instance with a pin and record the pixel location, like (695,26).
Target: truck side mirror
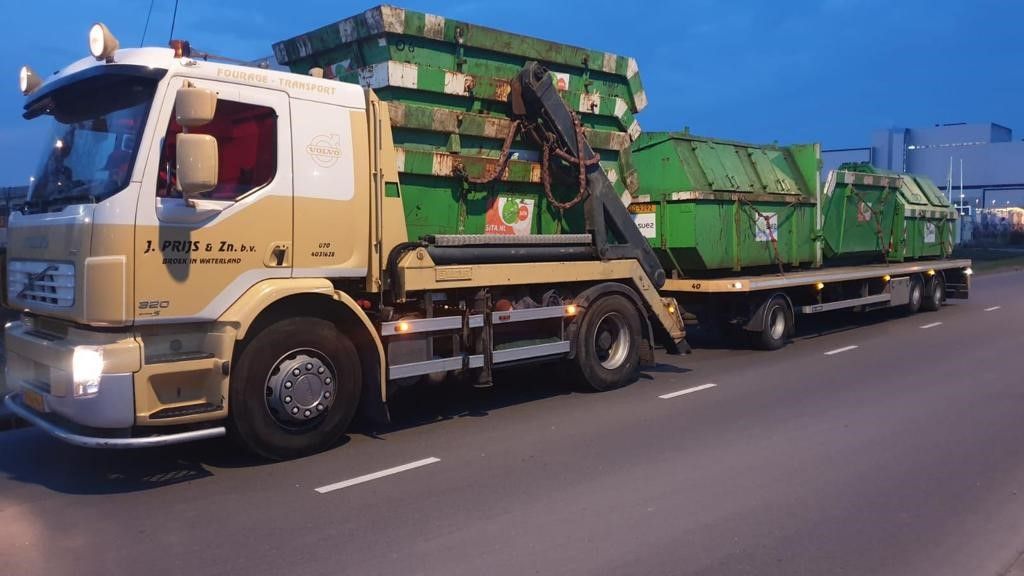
(197,163)
(194,107)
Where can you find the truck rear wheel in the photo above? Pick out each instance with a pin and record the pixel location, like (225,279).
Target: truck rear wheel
(935,294)
(608,344)
(294,388)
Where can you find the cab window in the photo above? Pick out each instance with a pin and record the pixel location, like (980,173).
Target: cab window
(247,140)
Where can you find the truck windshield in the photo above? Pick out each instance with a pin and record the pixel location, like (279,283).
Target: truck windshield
(97,125)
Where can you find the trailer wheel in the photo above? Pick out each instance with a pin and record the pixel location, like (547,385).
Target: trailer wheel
(295,388)
(608,345)
(772,335)
(935,295)
(916,295)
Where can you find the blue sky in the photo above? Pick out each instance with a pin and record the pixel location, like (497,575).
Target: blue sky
(795,71)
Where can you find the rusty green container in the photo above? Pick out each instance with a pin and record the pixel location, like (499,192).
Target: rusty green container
(710,205)
(872,215)
(447,83)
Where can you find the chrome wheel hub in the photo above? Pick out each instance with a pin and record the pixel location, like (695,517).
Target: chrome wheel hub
(611,341)
(778,324)
(300,387)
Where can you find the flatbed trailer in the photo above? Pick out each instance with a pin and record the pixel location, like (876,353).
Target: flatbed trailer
(765,306)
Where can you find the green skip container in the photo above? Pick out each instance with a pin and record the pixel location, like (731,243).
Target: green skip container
(871,215)
(447,85)
(709,205)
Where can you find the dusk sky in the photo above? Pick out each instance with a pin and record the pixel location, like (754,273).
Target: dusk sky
(796,71)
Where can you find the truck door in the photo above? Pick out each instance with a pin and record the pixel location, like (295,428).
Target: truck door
(193,259)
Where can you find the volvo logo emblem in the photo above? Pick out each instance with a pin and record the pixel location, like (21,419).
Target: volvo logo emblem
(325,150)
(37,242)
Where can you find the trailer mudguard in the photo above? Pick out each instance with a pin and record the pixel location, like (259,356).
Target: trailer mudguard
(759,317)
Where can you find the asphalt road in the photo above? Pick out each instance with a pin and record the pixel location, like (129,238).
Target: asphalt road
(901,456)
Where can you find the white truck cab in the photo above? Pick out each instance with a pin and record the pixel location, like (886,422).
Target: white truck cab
(111,246)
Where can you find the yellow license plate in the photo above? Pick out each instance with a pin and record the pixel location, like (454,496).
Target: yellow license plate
(637,208)
(33,400)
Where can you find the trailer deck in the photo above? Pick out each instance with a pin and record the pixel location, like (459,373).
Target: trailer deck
(757,283)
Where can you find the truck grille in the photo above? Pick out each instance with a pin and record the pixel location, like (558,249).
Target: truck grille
(48,283)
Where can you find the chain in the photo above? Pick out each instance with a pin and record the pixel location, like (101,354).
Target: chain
(548,146)
(768,226)
(876,216)
(503,158)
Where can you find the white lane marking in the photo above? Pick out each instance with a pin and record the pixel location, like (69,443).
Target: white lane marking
(376,475)
(932,325)
(687,391)
(992,308)
(841,350)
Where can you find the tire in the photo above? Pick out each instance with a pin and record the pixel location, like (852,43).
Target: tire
(935,295)
(277,418)
(777,326)
(916,296)
(608,344)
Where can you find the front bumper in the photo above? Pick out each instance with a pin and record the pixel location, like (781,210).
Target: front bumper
(40,362)
(39,367)
(14,403)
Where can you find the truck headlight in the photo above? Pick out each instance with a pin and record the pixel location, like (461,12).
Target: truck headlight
(87,367)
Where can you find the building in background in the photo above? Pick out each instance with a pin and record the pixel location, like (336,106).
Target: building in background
(993,163)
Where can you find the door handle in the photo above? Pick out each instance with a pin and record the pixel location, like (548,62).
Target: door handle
(278,255)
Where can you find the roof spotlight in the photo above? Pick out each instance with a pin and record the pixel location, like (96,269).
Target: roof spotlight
(182,49)
(102,44)
(28,80)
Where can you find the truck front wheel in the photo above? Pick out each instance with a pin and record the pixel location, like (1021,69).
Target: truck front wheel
(294,388)
(608,345)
